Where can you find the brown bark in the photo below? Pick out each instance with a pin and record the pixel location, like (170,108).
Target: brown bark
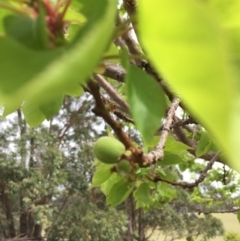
(23,220)
(141,233)
(8,213)
(132,226)
(23,215)
(37,231)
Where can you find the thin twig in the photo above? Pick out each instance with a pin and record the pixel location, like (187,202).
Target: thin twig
(181,135)
(190,207)
(221,211)
(72,120)
(114,71)
(130,42)
(130,6)
(123,105)
(14,9)
(194,184)
(113,108)
(117,72)
(187,121)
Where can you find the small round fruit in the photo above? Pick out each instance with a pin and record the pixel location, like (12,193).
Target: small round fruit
(124,167)
(108,149)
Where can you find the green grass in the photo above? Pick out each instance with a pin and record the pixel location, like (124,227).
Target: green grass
(230,223)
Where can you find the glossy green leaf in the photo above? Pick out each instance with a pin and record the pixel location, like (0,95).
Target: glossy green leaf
(187,45)
(143,193)
(32,114)
(51,107)
(170,159)
(101,175)
(119,192)
(43,73)
(147,101)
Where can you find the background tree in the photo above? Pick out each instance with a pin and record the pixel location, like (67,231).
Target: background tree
(231,236)
(45,176)
(46,173)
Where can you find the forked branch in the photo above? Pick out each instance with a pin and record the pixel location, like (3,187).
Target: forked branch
(193,184)
(157,153)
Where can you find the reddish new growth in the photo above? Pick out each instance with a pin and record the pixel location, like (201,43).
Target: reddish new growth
(53,16)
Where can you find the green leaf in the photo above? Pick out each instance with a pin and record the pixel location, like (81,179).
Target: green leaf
(75,90)
(142,193)
(195,167)
(154,141)
(10,109)
(107,185)
(119,192)
(160,171)
(3,13)
(101,175)
(204,144)
(147,101)
(72,31)
(32,114)
(228,13)
(175,146)
(183,166)
(41,28)
(139,204)
(31,35)
(170,159)
(55,71)
(166,193)
(187,45)
(238,216)
(112,51)
(86,7)
(73,16)
(51,108)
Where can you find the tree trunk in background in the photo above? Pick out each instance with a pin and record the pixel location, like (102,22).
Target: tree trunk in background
(141,231)
(23,229)
(23,220)
(9,216)
(37,231)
